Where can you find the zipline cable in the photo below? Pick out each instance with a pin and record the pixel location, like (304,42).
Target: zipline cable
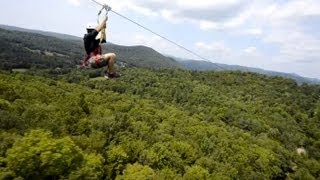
(157,34)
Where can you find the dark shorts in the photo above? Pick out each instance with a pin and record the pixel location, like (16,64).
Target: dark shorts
(97,62)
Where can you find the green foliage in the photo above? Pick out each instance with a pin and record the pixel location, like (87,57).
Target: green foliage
(196,172)
(117,160)
(302,174)
(164,124)
(7,139)
(38,155)
(26,50)
(92,168)
(137,172)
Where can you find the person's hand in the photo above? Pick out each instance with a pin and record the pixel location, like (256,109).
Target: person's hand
(105,19)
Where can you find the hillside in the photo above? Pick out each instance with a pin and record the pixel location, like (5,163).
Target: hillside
(28,48)
(141,56)
(158,124)
(41,49)
(209,66)
(45,33)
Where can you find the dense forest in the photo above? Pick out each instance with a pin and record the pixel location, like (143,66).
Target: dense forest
(59,122)
(157,124)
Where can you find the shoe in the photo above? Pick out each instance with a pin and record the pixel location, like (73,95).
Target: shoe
(112,75)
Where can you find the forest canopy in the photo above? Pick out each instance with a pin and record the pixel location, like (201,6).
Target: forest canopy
(157,124)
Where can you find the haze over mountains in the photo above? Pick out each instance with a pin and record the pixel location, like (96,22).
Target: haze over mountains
(48,49)
(205,66)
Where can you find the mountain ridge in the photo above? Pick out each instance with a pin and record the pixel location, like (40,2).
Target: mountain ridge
(199,65)
(48,50)
(45,33)
(143,56)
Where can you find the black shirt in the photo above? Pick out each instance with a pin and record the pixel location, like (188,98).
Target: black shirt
(90,42)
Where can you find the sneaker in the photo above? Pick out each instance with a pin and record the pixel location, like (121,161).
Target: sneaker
(112,75)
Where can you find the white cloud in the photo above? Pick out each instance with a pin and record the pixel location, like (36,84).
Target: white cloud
(285,29)
(144,11)
(170,16)
(208,25)
(75,2)
(228,24)
(145,40)
(221,12)
(219,46)
(295,46)
(223,53)
(201,4)
(215,51)
(254,31)
(296,8)
(218,14)
(250,50)
(276,24)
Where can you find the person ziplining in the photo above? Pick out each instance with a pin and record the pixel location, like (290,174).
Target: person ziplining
(92,43)
(108,59)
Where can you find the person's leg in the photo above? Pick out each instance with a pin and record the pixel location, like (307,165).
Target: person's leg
(111,59)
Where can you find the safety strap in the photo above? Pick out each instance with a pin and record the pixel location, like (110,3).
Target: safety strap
(103,35)
(103,31)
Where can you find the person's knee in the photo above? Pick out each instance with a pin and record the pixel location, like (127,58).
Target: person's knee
(109,56)
(113,55)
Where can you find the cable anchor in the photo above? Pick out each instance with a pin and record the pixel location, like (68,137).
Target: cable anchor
(106,8)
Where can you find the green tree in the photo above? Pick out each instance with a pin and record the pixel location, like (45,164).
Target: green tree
(38,155)
(92,168)
(137,172)
(196,173)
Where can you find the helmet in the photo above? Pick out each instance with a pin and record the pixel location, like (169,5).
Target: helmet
(91,25)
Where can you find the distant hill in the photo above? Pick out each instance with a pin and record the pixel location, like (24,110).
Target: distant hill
(25,48)
(205,66)
(45,33)
(138,56)
(141,56)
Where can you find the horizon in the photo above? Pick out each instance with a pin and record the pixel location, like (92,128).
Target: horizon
(280,36)
(175,57)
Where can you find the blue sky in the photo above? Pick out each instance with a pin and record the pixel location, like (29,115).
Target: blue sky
(280,35)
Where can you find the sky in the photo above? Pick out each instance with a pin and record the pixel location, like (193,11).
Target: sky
(279,35)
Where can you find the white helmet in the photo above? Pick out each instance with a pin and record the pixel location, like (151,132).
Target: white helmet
(91,25)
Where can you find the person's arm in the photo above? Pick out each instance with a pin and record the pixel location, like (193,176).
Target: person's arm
(102,24)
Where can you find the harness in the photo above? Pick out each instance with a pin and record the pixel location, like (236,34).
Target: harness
(103,31)
(97,52)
